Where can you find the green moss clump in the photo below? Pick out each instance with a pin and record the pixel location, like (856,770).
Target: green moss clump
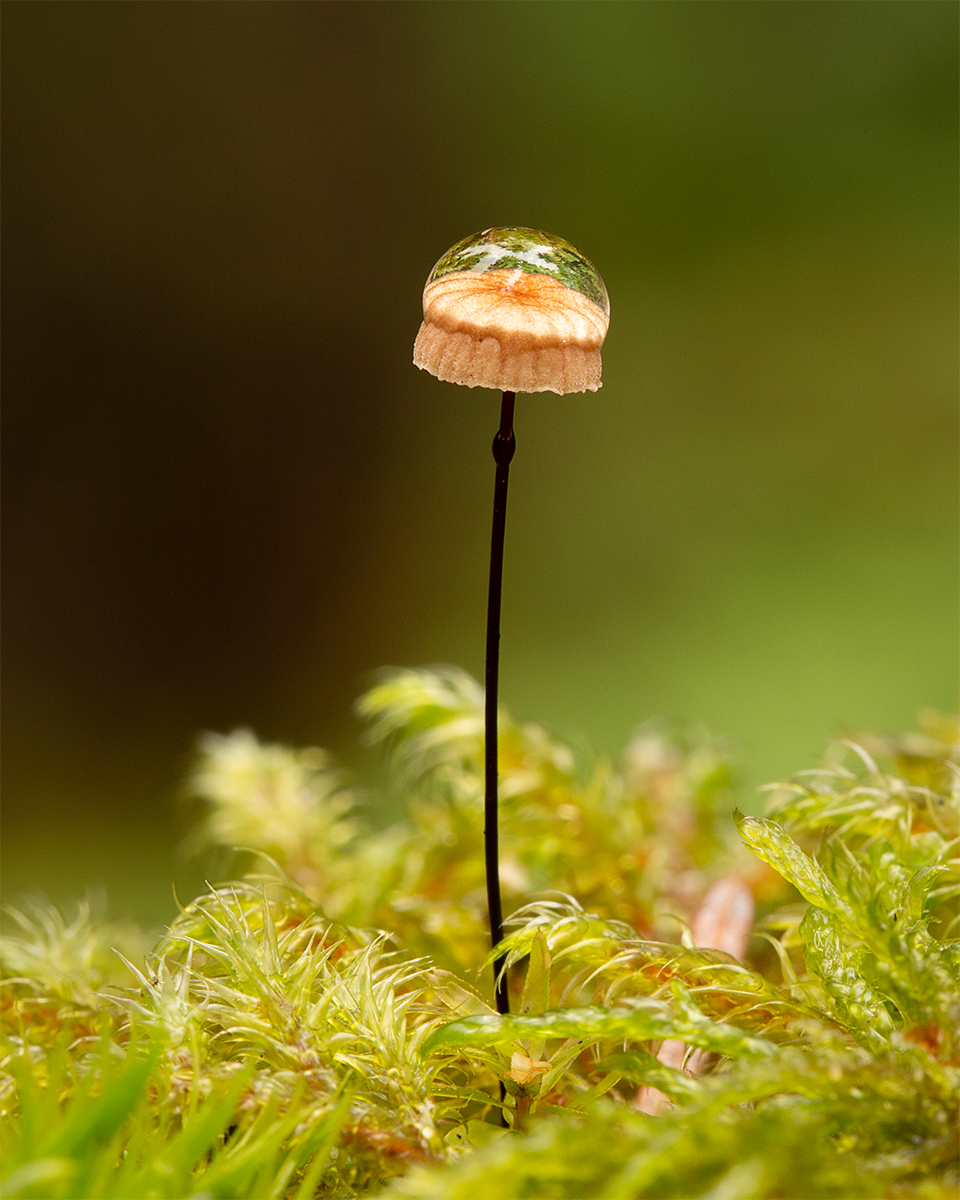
(322,1026)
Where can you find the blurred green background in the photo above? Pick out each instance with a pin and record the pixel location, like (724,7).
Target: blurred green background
(229,497)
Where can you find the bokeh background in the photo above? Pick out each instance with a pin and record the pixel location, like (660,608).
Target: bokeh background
(230,498)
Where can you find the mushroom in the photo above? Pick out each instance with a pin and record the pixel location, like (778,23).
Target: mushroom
(517,310)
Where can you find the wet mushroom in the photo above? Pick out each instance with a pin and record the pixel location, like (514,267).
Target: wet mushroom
(516,310)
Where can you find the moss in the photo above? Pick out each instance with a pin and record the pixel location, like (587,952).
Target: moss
(323,1027)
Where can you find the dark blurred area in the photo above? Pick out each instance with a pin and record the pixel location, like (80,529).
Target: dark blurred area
(229,498)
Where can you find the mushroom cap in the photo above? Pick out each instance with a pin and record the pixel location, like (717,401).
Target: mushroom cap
(517,310)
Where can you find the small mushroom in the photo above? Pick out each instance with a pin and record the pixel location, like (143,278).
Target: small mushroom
(524,1071)
(520,311)
(517,310)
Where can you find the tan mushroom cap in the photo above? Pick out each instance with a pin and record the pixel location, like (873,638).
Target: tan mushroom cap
(512,331)
(517,310)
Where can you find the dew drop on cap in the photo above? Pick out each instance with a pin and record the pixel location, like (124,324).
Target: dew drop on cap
(516,310)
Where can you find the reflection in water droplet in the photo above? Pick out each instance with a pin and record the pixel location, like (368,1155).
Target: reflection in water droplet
(528,250)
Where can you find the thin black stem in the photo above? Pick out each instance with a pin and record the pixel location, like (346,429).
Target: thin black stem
(504,445)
